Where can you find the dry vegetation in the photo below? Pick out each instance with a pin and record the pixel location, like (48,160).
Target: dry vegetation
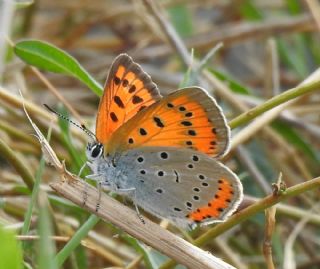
(268,48)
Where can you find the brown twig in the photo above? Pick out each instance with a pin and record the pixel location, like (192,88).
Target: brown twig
(235,33)
(127,220)
(269,228)
(267,244)
(314,8)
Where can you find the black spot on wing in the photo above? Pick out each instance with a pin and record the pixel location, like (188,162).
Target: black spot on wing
(186,123)
(118,101)
(158,121)
(142,131)
(116,80)
(136,99)
(132,89)
(114,117)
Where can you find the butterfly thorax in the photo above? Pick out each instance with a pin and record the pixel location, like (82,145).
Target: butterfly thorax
(104,168)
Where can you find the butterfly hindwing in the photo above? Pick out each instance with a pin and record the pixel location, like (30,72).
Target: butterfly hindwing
(187,118)
(182,185)
(127,91)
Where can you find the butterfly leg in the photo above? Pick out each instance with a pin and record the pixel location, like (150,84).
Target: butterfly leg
(95,177)
(132,190)
(82,168)
(99,186)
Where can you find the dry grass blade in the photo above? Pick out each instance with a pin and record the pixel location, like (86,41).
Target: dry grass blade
(289,251)
(267,245)
(269,229)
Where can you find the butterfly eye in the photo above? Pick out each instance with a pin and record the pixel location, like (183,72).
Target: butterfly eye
(96,150)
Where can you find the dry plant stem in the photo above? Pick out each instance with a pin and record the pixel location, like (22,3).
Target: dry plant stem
(57,94)
(250,211)
(311,264)
(271,81)
(289,211)
(18,133)
(292,153)
(236,33)
(35,110)
(127,220)
(267,244)
(86,243)
(247,161)
(178,45)
(289,260)
(98,243)
(134,264)
(314,8)
(173,39)
(15,101)
(20,167)
(102,252)
(231,255)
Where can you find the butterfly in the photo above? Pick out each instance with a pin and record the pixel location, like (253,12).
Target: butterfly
(160,151)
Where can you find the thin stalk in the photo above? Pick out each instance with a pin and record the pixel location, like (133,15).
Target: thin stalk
(12,158)
(273,102)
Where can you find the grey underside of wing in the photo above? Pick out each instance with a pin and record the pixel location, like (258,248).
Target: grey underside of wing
(173,182)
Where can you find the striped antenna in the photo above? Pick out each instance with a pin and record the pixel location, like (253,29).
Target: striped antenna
(82,126)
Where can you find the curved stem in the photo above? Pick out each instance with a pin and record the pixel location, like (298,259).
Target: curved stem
(273,102)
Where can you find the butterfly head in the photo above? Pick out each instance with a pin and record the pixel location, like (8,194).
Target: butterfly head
(94,150)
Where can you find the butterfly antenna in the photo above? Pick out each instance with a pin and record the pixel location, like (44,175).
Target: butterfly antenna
(82,126)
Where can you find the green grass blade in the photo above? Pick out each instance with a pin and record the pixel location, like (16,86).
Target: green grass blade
(292,54)
(294,6)
(187,78)
(76,239)
(77,159)
(249,11)
(181,19)
(232,84)
(294,138)
(10,250)
(48,57)
(46,247)
(34,195)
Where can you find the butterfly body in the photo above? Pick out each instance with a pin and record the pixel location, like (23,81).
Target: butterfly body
(159,151)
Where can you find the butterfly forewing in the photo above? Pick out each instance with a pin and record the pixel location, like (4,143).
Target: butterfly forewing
(127,91)
(182,185)
(187,118)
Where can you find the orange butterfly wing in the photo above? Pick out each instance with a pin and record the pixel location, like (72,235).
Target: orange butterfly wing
(187,118)
(127,91)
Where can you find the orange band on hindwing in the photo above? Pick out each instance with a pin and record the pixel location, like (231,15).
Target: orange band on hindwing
(216,205)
